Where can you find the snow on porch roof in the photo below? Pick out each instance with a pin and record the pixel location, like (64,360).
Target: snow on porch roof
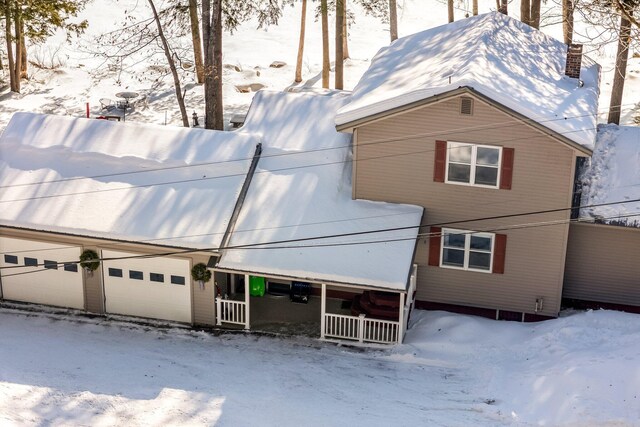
(500,57)
(121,180)
(302,190)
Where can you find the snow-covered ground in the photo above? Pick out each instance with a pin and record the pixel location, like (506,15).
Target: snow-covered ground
(84,77)
(578,370)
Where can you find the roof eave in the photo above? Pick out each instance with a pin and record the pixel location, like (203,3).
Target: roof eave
(351,125)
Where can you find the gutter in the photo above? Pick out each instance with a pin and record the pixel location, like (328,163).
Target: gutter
(239,202)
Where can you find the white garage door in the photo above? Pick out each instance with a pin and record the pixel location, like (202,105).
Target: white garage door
(157,288)
(51,284)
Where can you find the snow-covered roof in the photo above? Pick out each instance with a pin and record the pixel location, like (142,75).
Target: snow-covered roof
(75,175)
(498,56)
(302,190)
(613,176)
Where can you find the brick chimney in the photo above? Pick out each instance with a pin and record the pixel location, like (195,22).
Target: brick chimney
(574,61)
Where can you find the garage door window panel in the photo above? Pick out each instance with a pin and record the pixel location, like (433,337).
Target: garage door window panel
(30,262)
(178,280)
(136,275)
(51,265)
(156,277)
(115,272)
(11,259)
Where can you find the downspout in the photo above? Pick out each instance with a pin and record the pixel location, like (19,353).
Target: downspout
(240,201)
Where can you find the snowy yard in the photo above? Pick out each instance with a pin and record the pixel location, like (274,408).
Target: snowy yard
(581,369)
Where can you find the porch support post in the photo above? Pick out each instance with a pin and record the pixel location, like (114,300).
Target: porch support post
(323,309)
(401,325)
(246,301)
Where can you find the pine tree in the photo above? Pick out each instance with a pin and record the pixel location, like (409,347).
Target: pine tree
(324,11)
(339,64)
(196,40)
(303,20)
(393,20)
(34,20)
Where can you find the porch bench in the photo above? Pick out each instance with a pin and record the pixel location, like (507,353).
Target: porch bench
(362,304)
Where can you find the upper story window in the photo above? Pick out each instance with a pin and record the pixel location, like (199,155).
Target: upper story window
(473,164)
(477,165)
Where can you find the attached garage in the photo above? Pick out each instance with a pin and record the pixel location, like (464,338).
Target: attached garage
(45,281)
(156,288)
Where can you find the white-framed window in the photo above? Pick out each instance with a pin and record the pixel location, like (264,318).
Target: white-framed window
(467,250)
(473,164)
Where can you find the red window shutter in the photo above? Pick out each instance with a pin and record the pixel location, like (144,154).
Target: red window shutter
(499,253)
(434,246)
(506,172)
(440,166)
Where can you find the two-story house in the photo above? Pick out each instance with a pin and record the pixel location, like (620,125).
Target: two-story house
(480,122)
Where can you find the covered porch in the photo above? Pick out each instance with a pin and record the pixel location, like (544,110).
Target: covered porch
(330,312)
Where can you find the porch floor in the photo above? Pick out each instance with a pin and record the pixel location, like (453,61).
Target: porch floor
(278,314)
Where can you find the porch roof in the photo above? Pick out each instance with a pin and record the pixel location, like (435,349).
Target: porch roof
(300,196)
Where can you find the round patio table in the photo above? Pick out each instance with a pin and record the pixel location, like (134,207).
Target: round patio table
(123,105)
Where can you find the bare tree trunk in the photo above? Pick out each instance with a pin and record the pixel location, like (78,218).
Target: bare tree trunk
(339,65)
(17,19)
(615,106)
(303,20)
(534,15)
(525,11)
(498,6)
(450,10)
(24,59)
(345,33)
(393,19)
(567,21)
(212,40)
(172,66)
(503,7)
(196,40)
(10,63)
(326,65)
(475,7)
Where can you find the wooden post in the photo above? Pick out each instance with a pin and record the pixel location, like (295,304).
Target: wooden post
(323,309)
(218,311)
(246,301)
(401,327)
(361,328)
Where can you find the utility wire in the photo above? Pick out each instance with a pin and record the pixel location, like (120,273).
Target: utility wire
(349,160)
(353,243)
(260,245)
(463,130)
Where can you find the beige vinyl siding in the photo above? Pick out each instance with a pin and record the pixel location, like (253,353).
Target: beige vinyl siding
(203,297)
(93,289)
(401,171)
(602,264)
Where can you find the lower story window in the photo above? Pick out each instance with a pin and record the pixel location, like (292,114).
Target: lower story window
(467,250)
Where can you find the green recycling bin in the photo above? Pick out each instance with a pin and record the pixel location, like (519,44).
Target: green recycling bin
(256,286)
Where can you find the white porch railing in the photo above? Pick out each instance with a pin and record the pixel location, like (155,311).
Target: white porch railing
(230,311)
(360,328)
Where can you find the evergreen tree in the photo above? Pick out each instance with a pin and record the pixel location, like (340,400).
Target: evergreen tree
(34,20)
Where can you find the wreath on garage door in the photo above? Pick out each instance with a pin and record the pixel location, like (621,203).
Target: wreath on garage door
(89,260)
(201,274)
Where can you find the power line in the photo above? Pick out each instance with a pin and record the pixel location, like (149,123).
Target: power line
(350,160)
(333,236)
(354,243)
(498,125)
